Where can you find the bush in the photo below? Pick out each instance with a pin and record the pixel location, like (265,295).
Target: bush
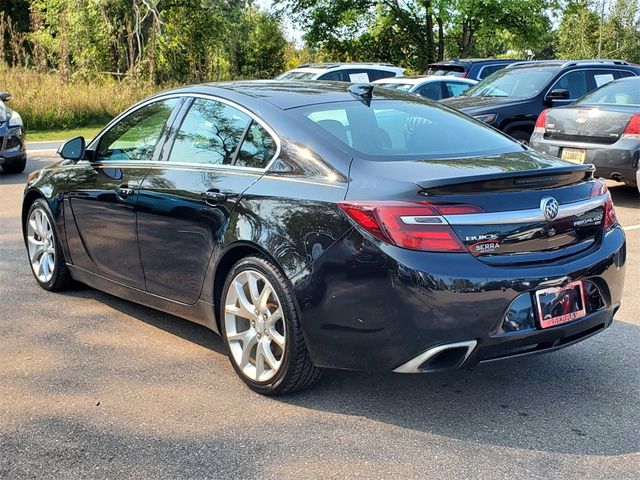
(45,102)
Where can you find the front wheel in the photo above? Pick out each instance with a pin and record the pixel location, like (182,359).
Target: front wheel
(521,136)
(43,246)
(261,329)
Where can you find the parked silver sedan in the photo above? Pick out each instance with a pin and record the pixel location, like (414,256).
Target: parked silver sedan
(602,128)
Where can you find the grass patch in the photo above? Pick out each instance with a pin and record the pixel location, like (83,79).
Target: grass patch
(62,134)
(46,103)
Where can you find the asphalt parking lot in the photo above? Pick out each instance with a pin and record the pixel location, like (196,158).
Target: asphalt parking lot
(92,386)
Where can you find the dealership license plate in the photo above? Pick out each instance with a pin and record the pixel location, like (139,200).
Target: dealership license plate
(560,305)
(576,155)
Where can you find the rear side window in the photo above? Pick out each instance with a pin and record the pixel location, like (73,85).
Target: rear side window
(257,149)
(209,134)
(488,70)
(403,129)
(378,74)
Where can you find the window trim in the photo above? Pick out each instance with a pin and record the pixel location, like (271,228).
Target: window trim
(179,118)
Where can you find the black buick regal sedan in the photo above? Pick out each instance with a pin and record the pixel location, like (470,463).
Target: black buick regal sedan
(327,225)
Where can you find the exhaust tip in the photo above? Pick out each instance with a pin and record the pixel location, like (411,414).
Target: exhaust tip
(442,357)
(617,176)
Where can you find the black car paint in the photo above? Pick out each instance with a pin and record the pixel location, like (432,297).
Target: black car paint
(516,114)
(474,68)
(364,304)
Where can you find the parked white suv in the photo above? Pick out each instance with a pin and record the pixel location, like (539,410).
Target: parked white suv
(343,72)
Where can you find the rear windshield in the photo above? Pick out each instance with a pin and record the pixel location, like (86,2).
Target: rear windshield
(625,93)
(406,129)
(297,76)
(520,83)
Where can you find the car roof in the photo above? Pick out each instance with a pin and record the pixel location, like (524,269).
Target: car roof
(420,79)
(283,94)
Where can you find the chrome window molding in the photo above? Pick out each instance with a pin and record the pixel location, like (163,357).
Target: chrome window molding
(525,216)
(167,163)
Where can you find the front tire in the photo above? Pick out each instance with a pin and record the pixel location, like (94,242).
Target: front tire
(46,257)
(261,329)
(521,136)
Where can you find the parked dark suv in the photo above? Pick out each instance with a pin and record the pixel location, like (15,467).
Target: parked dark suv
(472,68)
(512,98)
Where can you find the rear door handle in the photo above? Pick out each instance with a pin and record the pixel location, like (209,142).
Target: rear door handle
(124,191)
(214,196)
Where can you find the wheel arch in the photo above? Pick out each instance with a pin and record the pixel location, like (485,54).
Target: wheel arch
(30,197)
(228,258)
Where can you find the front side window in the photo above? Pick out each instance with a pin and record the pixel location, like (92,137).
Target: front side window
(209,134)
(517,83)
(135,136)
(454,89)
(390,130)
(575,82)
(432,90)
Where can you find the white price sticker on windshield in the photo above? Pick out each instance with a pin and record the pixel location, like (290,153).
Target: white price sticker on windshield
(602,79)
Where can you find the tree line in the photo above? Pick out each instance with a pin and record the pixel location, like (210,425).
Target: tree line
(171,41)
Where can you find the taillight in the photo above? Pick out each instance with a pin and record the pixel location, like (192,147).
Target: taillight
(609,218)
(416,226)
(632,131)
(541,123)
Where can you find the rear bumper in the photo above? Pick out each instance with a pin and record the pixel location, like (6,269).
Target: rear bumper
(378,307)
(618,161)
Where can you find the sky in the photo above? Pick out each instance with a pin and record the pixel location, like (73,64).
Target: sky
(291,30)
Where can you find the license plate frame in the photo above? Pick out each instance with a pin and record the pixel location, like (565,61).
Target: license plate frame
(569,299)
(575,155)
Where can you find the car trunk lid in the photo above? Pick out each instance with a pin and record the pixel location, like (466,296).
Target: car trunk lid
(591,125)
(511,226)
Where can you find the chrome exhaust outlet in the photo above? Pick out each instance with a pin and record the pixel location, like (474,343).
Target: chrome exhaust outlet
(414,365)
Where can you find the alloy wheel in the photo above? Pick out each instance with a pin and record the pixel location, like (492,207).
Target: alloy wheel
(41,245)
(254,325)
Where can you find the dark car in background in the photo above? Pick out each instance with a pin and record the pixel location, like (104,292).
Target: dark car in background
(511,99)
(601,128)
(472,68)
(331,225)
(13,152)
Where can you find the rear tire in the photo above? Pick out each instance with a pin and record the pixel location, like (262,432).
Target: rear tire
(45,253)
(15,167)
(521,136)
(261,330)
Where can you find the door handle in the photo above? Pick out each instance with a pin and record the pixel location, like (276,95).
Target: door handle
(124,191)
(214,196)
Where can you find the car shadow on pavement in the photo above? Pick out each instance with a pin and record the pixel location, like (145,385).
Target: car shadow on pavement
(581,400)
(177,326)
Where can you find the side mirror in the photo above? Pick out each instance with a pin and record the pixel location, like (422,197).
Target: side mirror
(73,149)
(558,94)
(5,96)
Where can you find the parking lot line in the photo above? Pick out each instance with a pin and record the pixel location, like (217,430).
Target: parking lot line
(631,227)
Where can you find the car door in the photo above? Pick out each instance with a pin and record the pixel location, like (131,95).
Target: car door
(103,194)
(185,201)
